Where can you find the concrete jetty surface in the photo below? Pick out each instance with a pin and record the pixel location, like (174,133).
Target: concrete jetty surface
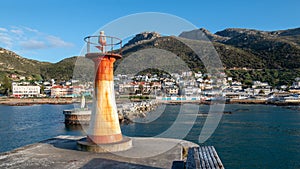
(61,152)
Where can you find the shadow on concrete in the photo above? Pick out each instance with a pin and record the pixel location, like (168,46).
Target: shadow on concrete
(63,143)
(178,165)
(106,163)
(109,160)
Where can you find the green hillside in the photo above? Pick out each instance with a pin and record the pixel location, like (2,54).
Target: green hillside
(61,71)
(11,63)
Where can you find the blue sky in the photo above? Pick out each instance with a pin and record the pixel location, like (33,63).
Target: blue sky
(51,30)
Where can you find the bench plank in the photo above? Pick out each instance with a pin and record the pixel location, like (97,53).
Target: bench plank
(210,157)
(215,162)
(201,156)
(218,158)
(204,157)
(197,158)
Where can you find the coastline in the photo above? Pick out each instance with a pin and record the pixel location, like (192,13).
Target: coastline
(230,102)
(32,101)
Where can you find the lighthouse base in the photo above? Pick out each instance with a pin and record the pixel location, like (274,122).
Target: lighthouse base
(124,144)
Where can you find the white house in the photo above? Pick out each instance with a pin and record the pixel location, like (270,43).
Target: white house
(25,91)
(198,75)
(191,91)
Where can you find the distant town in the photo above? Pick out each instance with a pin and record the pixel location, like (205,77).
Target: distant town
(187,86)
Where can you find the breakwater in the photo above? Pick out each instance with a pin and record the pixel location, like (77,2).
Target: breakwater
(127,112)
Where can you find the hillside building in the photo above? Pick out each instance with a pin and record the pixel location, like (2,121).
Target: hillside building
(25,91)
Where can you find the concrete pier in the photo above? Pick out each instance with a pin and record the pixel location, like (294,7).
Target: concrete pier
(61,152)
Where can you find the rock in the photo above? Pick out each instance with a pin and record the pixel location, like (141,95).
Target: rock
(141,37)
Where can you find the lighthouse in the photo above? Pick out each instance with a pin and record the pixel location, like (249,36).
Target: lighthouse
(104,133)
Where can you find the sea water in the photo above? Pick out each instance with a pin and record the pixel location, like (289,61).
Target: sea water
(252,136)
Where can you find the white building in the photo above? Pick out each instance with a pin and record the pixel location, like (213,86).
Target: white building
(198,75)
(172,90)
(25,91)
(295,88)
(296,84)
(187,74)
(257,84)
(236,87)
(191,91)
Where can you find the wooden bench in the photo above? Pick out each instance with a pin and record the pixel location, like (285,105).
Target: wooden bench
(204,157)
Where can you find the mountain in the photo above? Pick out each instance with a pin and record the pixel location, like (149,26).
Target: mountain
(230,55)
(274,49)
(247,55)
(142,37)
(203,34)
(277,49)
(275,54)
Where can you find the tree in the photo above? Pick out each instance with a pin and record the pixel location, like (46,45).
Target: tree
(6,85)
(151,85)
(261,92)
(248,83)
(42,89)
(141,88)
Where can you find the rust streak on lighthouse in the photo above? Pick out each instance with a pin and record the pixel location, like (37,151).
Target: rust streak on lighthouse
(104,127)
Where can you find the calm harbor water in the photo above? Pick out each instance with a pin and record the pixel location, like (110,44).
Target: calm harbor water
(253,136)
